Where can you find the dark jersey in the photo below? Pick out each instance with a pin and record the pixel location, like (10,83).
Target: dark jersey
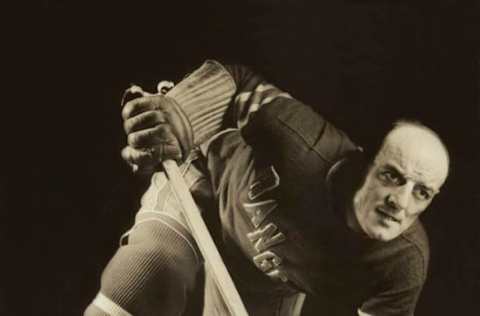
(281,230)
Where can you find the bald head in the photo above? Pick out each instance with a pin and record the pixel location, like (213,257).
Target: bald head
(418,147)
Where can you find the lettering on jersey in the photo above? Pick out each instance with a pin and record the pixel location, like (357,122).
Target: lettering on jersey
(267,260)
(259,211)
(270,263)
(266,180)
(278,274)
(266,237)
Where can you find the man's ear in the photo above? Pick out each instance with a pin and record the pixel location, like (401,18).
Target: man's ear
(359,166)
(351,176)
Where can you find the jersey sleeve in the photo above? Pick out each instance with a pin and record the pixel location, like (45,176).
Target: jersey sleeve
(253,92)
(215,97)
(286,133)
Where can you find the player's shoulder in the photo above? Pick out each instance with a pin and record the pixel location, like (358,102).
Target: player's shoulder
(300,143)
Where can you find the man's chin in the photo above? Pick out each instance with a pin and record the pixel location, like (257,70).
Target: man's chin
(382,234)
(378,228)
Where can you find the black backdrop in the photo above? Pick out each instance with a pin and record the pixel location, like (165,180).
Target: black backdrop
(67,196)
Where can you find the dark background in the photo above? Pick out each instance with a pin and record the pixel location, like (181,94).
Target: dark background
(67,196)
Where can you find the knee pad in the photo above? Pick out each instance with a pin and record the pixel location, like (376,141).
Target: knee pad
(151,275)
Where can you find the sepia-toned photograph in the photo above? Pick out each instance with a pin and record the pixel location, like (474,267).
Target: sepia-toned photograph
(262,158)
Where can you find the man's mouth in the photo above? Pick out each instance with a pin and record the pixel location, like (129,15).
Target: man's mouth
(384,214)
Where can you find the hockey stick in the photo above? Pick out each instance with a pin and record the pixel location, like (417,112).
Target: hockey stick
(195,221)
(204,240)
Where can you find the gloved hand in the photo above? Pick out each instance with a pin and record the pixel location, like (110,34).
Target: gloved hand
(161,127)
(156,130)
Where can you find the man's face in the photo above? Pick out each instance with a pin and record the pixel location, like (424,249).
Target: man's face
(407,172)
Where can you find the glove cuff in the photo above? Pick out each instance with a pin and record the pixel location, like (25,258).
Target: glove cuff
(204,97)
(181,126)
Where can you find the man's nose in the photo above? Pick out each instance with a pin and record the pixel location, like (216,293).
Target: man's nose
(400,198)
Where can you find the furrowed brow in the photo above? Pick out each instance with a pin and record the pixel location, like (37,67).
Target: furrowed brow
(391,167)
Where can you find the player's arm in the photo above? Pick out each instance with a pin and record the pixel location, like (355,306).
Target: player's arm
(212,98)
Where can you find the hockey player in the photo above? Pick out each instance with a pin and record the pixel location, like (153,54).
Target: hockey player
(295,206)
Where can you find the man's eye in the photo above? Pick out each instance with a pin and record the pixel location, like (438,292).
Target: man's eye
(423,194)
(390,177)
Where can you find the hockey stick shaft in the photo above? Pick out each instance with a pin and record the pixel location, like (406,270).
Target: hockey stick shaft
(204,240)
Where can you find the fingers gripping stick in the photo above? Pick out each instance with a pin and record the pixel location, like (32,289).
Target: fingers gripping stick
(144,150)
